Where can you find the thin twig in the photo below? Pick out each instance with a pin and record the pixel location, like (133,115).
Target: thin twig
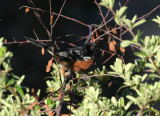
(40,20)
(109,58)
(59,13)
(35,34)
(67,79)
(149,13)
(155,65)
(90,33)
(50,13)
(95,76)
(104,18)
(69,18)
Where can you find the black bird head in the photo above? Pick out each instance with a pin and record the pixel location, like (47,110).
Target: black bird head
(91,48)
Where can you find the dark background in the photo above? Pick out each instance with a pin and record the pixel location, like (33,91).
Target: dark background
(27,59)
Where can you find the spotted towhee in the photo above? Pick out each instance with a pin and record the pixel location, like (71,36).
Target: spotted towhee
(78,58)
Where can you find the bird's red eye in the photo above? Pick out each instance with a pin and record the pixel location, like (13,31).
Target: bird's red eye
(91,47)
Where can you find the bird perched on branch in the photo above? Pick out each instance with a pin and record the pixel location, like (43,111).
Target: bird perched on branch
(79,58)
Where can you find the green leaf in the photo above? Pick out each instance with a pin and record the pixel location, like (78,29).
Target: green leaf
(156,20)
(146,41)
(10,82)
(48,83)
(134,19)
(104,3)
(114,101)
(36,108)
(127,22)
(128,105)
(132,99)
(121,101)
(124,86)
(158,17)
(121,11)
(138,23)
(20,80)
(129,67)
(136,39)
(153,75)
(90,106)
(149,65)
(101,103)
(118,66)
(19,90)
(5,103)
(1,41)
(107,3)
(140,54)
(3,51)
(91,90)
(130,113)
(138,36)
(139,92)
(111,3)
(126,43)
(144,77)
(49,101)
(156,49)
(116,19)
(111,72)
(96,94)
(149,52)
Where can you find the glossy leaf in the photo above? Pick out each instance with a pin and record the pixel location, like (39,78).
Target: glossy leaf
(126,43)
(19,90)
(139,23)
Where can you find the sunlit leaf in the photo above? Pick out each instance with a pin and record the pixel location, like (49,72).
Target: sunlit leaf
(122,10)
(139,23)
(19,90)
(126,43)
(134,19)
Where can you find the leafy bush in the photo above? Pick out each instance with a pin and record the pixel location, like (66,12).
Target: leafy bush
(84,95)
(13,100)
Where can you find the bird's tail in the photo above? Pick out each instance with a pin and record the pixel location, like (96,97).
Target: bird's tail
(40,44)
